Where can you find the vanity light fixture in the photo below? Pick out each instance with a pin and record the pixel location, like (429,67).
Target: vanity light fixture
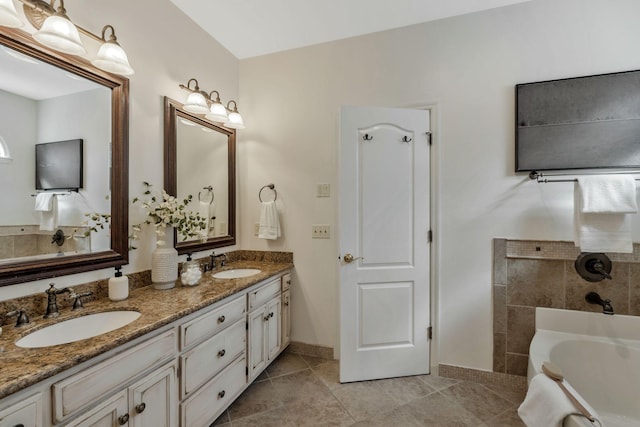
(111,57)
(8,15)
(235,119)
(59,33)
(56,31)
(5,155)
(217,112)
(198,102)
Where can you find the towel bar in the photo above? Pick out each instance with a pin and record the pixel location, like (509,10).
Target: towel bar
(538,176)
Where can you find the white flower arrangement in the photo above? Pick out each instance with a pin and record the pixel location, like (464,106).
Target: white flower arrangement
(167,211)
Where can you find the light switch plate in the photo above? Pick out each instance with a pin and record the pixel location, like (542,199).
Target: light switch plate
(256,228)
(320,231)
(324,190)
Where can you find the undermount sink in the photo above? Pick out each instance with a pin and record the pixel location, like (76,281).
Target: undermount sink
(77,329)
(236,274)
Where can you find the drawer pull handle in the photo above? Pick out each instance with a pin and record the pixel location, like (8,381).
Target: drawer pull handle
(221,353)
(221,394)
(123,419)
(221,319)
(19,425)
(289,282)
(271,314)
(141,407)
(266,318)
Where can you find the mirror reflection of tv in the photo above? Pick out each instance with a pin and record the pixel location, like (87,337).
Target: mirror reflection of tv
(59,165)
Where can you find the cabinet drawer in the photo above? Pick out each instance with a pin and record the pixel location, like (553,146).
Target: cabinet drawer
(202,408)
(207,359)
(208,324)
(286,282)
(264,294)
(27,412)
(81,389)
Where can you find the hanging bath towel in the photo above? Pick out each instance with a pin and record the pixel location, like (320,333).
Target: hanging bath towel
(602,206)
(46,205)
(269,223)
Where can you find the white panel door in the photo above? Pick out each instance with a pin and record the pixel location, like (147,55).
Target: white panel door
(384,226)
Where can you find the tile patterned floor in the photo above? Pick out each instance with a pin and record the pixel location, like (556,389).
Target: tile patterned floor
(299,390)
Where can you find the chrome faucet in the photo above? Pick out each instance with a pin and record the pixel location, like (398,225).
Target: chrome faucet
(594,298)
(52,303)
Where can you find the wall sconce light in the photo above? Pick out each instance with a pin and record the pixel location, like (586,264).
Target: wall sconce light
(235,119)
(198,102)
(56,31)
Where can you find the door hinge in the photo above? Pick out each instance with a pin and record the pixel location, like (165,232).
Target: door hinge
(429,139)
(430,332)
(430,236)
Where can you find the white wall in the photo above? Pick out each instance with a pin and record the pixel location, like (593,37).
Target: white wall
(18,127)
(165,48)
(467,66)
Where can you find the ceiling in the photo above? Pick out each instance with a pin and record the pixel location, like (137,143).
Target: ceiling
(249,28)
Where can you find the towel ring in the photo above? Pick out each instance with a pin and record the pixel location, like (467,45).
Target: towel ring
(270,186)
(210,190)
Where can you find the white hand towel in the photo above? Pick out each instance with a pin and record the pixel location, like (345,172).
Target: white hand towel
(47,205)
(601,220)
(269,222)
(608,194)
(546,405)
(44,202)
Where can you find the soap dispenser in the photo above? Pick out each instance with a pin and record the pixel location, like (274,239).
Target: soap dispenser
(118,286)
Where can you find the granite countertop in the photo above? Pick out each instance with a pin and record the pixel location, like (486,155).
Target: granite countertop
(23,367)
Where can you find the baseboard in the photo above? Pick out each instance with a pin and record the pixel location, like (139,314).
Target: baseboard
(311,350)
(514,382)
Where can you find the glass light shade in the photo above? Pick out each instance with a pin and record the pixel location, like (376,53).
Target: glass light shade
(59,33)
(235,121)
(217,113)
(196,103)
(5,155)
(8,15)
(112,58)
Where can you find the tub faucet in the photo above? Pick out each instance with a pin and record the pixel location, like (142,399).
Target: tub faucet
(52,303)
(594,298)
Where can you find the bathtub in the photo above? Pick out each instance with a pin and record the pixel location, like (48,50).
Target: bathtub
(599,356)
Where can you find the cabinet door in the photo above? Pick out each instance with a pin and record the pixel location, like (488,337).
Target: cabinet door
(256,342)
(112,412)
(27,412)
(286,318)
(153,400)
(274,327)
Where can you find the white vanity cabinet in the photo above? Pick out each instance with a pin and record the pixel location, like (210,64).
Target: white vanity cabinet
(213,362)
(286,310)
(264,328)
(150,401)
(184,374)
(25,413)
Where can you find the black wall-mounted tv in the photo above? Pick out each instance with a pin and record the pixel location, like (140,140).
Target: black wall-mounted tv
(579,123)
(59,165)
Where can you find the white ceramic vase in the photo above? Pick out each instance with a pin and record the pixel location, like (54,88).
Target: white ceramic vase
(164,267)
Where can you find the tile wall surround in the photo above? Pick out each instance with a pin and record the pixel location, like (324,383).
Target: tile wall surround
(19,241)
(529,274)
(36,304)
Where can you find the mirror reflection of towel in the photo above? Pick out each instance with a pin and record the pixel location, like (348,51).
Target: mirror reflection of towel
(269,222)
(47,206)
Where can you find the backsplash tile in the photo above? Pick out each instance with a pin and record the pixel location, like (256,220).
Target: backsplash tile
(542,274)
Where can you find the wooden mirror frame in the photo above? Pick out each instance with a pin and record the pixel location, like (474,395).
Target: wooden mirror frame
(173,110)
(26,271)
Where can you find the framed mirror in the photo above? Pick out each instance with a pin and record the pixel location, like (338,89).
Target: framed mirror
(199,160)
(59,114)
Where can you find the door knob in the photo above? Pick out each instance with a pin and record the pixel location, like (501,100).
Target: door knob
(348,258)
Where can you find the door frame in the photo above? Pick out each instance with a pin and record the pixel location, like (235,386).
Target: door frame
(434,207)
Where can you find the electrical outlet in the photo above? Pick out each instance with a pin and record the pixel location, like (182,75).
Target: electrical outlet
(256,228)
(320,231)
(324,190)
